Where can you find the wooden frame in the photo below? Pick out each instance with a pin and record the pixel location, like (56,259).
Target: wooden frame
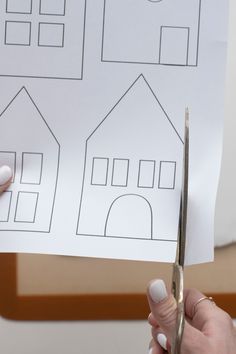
(77,307)
(63,307)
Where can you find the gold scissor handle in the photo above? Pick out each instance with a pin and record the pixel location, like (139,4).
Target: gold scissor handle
(178,292)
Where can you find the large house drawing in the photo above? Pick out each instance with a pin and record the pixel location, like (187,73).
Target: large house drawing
(132,171)
(151,32)
(29,147)
(42,38)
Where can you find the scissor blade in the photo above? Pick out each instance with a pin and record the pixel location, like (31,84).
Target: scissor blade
(184,196)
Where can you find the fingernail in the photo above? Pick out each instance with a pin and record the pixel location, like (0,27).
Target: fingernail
(5,174)
(157,290)
(162,340)
(150,351)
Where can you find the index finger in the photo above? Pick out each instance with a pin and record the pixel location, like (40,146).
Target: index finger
(198,307)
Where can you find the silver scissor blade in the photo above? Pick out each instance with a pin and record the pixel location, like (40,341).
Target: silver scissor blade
(184,195)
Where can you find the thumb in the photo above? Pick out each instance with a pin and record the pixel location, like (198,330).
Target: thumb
(5,178)
(164,311)
(163,307)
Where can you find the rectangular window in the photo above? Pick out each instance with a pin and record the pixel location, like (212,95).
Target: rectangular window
(9,159)
(32,165)
(174,45)
(17,33)
(19,6)
(99,171)
(146,173)
(26,207)
(5,206)
(167,175)
(51,35)
(120,172)
(52,7)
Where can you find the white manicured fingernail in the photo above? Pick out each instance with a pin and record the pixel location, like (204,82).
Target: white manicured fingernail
(5,174)
(157,290)
(150,351)
(162,340)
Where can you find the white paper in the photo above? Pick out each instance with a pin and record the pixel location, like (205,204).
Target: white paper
(92,119)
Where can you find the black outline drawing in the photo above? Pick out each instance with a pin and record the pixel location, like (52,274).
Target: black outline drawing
(159,178)
(153,175)
(106,175)
(157,61)
(127,173)
(49,24)
(187,47)
(19,12)
(9,206)
(22,167)
(18,44)
(52,14)
(75,77)
(35,207)
(123,237)
(57,169)
(14,165)
(86,180)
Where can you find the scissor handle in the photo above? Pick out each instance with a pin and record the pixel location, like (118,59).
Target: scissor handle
(178,292)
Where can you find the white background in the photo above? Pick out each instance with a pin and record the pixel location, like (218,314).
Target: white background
(131,337)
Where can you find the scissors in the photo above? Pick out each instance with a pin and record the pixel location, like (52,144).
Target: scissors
(178,266)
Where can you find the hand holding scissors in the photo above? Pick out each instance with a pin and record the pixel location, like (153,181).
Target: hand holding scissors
(209,330)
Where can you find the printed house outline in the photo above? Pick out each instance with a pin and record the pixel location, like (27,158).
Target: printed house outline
(34,156)
(136,32)
(114,152)
(46,38)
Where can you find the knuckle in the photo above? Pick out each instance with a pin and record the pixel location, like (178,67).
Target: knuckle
(223,319)
(226,318)
(167,312)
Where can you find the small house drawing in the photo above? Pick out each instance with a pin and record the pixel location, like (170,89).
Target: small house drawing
(34,156)
(151,32)
(42,38)
(132,171)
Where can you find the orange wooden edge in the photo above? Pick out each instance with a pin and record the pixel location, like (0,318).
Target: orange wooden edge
(77,307)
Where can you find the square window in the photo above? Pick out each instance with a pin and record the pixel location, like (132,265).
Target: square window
(5,206)
(120,172)
(51,34)
(146,173)
(32,164)
(26,207)
(167,175)
(17,33)
(99,171)
(9,159)
(52,7)
(19,6)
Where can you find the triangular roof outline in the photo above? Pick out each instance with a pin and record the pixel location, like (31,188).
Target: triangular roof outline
(141,76)
(24,90)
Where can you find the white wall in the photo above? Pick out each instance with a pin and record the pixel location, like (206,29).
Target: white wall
(129,337)
(74,337)
(225,221)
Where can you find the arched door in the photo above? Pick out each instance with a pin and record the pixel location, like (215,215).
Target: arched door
(130,216)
